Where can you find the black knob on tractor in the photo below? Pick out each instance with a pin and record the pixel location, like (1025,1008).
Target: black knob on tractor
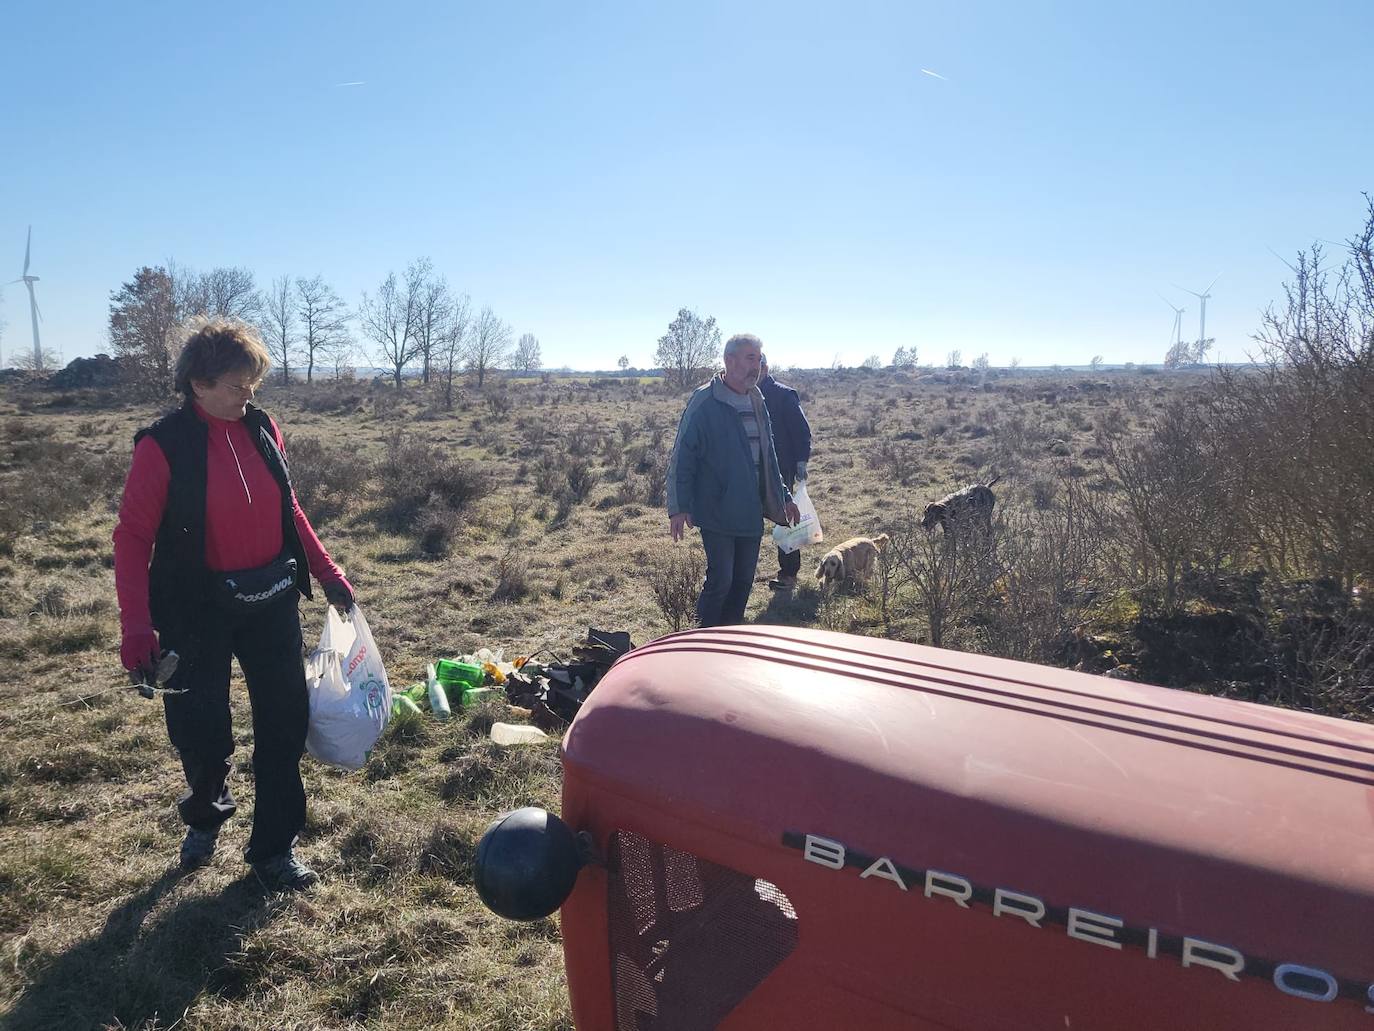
(527,863)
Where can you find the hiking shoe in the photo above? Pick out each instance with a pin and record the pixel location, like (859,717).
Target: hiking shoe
(285,873)
(198,848)
(783,583)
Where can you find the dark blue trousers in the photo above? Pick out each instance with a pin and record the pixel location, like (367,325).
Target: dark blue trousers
(730,565)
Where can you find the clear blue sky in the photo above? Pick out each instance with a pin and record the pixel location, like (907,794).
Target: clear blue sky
(588,169)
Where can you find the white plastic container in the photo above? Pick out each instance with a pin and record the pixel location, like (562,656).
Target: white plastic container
(516,734)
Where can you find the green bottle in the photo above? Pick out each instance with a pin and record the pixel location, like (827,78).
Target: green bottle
(401,703)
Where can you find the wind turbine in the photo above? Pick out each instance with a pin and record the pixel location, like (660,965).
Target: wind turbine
(34,313)
(1202,311)
(1177,330)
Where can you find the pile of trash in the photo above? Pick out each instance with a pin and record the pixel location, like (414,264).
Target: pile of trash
(547,692)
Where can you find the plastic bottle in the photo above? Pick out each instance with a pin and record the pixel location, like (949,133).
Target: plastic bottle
(438,701)
(477,695)
(516,734)
(401,704)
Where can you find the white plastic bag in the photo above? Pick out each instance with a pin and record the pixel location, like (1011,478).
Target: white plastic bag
(807,529)
(350,696)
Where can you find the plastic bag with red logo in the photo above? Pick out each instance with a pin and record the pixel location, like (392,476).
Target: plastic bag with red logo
(350,696)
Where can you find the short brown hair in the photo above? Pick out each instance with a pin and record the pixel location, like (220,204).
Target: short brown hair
(216,346)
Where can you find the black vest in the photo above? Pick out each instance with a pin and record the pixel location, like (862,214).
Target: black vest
(178,578)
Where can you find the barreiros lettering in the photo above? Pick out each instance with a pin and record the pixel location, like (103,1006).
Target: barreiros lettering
(1111,932)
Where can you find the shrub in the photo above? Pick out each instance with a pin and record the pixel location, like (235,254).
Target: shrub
(549,477)
(324,476)
(415,478)
(581,478)
(676,580)
(941,579)
(435,527)
(512,577)
(55,480)
(565,501)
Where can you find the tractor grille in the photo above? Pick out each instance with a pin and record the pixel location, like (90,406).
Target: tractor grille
(689,939)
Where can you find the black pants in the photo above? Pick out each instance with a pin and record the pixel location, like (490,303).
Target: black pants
(268,647)
(789,562)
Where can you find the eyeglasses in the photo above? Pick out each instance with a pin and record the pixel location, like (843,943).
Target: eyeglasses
(242,388)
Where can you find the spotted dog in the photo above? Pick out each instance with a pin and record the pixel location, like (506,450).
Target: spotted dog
(963,509)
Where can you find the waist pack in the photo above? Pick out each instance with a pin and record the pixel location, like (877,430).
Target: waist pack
(250,590)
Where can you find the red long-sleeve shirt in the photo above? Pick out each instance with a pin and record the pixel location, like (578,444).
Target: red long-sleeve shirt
(242,516)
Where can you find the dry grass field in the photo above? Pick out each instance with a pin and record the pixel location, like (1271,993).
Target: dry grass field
(532,512)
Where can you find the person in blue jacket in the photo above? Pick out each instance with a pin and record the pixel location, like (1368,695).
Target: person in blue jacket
(792,442)
(723,478)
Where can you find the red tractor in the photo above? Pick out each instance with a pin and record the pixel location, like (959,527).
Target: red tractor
(767,827)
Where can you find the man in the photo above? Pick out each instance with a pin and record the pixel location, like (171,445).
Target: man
(723,478)
(792,442)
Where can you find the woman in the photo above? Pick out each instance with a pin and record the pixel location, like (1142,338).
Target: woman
(211,552)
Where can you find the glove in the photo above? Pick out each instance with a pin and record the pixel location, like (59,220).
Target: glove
(139,650)
(340,595)
(801,472)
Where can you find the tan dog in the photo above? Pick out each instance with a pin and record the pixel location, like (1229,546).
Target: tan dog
(850,562)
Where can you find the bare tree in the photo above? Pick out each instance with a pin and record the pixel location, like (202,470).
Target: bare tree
(433,305)
(1298,429)
(453,345)
(688,351)
(872,363)
(1096,364)
(981,363)
(1178,356)
(227,293)
(143,319)
(527,357)
(388,320)
(324,323)
(45,361)
(279,325)
(904,358)
(340,349)
(953,359)
(488,345)
(1174,506)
